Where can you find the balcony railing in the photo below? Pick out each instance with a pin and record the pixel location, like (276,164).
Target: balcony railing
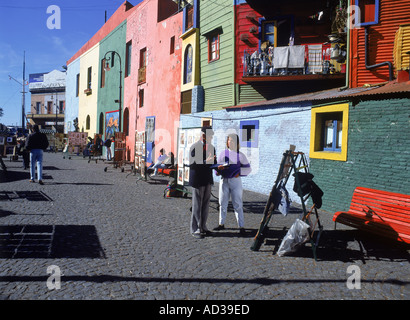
(291,61)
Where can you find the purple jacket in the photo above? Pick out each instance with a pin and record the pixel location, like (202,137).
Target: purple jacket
(238,163)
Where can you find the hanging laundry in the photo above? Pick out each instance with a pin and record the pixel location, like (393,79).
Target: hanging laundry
(296,57)
(315,58)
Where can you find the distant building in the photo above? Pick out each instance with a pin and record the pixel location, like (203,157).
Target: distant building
(47,100)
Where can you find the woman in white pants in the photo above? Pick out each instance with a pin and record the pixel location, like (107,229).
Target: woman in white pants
(234,165)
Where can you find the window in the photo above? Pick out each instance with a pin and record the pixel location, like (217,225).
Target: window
(329,132)
(77,88)
(89,75)
(268,32)
(206,122)
(143,57)
(142,71)
(213,47)
(332,136)
(61,107)
(101,125)
(37,108)
(186,101)
(102,80)
(49,107)
(128,52)
(172,45)
(249,133)
(126,122)
(141,98)
(189,17)
(369,12)
(188,64)
(87,123)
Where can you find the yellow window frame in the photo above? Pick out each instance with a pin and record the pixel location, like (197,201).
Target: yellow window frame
(316,132)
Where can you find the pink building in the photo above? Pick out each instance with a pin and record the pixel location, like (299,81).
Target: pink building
(152,80)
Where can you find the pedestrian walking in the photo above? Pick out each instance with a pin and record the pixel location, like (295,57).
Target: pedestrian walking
(107,144)
(201,157)
(36,143)
(234,165)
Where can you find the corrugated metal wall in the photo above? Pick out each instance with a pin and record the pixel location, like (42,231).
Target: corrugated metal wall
(218,97)
(392,14)
(401,47)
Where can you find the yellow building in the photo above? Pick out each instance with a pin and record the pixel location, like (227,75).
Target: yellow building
(88,90)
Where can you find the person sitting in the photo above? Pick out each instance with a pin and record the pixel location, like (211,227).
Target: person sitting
(160,162)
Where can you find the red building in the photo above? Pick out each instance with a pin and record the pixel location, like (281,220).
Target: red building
(288,47)
(380,20)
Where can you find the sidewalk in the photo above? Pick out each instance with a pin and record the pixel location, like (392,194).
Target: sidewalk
(115,238)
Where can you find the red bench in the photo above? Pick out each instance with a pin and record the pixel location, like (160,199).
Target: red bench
(379,212)
(167,171)
(170,171)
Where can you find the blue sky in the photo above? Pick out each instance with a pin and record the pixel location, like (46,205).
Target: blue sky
(23,27)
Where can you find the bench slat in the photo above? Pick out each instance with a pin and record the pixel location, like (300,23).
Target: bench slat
(373,221)
(378,229)
(390,213)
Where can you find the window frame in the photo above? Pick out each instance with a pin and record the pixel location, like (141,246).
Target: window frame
(141,98)
(376,13)
(211,37)
(264,24)
(188,64)
(89,77)
(77,88)
(319,115)
(128,55)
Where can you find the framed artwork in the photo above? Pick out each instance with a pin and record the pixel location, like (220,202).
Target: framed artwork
(186,174)
(111,123)
(1,141)
(180,178)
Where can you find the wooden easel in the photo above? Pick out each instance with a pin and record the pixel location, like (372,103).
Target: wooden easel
(291,162)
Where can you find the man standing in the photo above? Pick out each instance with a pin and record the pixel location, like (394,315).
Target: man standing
(201,157)
(36,143)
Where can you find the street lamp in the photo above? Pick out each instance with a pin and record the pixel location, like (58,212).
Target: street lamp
(107,68)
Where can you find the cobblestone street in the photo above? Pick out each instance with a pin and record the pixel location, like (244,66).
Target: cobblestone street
(114,237)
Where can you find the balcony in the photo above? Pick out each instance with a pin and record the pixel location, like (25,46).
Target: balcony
(45,116)
(292,63)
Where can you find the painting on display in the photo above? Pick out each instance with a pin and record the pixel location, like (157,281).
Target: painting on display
(186,138)
(112,119)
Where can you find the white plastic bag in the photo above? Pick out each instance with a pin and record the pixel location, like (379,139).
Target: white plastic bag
(296,235)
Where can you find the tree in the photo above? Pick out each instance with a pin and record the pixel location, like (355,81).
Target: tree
(1,112)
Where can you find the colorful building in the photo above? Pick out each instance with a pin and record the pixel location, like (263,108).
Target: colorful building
(48,100)
(84,72)
(363,139)
(278,73)
(126,77)
(152,76)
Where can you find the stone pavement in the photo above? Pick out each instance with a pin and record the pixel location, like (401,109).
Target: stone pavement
(113,237)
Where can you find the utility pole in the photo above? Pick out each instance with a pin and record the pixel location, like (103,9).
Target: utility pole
(23,102)
(23,107)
